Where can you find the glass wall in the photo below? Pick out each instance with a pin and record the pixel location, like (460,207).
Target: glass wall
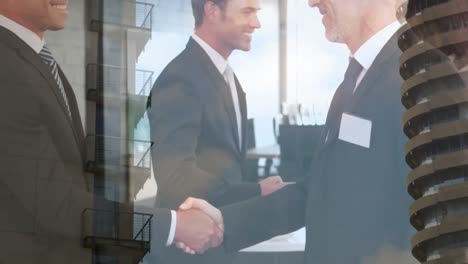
(315,66)
(257,69)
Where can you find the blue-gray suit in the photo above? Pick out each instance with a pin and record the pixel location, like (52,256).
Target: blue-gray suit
(354,202)
(196,148)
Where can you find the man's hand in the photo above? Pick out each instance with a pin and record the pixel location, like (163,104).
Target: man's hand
(197,231)
(213,213)
(271,184)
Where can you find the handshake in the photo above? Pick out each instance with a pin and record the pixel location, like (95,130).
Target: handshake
(200,226)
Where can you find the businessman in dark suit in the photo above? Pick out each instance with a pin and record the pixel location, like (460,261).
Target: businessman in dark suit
(43,187)
(41,172)
(198,117)
(354,203)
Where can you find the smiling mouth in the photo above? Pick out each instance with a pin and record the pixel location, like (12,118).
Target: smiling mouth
(60,6)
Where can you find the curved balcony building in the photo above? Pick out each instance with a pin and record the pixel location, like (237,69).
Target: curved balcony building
(434,65)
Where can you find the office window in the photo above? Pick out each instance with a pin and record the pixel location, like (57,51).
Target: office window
(315,66)
(258,72)
(257,69)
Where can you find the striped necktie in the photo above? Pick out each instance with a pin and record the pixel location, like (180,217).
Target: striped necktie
(49,60)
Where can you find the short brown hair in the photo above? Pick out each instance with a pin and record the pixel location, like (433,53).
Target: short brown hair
(198,9)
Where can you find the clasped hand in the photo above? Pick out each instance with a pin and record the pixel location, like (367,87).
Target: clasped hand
(199,226)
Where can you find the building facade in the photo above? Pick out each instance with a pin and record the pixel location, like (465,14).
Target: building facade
(434,42)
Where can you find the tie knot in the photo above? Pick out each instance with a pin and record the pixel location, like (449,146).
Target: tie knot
(46,55)
(45,51)
(353,70)
(228,75)
(228,71)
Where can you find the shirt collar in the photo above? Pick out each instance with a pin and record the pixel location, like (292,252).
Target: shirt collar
(23,33)
(367,53)
(218,60)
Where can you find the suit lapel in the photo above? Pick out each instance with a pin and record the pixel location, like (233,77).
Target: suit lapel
(36,62)
(78,130)
(243,112)
(364,86)
(333,119)
(374,72)
(30,56)
(42,68)
(221,87)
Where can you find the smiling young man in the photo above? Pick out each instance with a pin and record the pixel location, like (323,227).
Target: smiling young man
(198,115)
(42,183)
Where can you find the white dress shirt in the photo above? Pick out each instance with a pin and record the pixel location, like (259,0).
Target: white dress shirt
(228,74)
(170,238)
(367,53)
(31,38)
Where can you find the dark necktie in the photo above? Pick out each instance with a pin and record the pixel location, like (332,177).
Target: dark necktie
(49,60)
(345,91)
(349,82)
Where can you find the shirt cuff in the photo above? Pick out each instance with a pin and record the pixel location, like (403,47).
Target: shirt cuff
(170,238)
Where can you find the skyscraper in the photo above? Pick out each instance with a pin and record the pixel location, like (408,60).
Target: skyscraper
(434,65)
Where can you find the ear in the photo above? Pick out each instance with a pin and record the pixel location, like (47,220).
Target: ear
(212,12)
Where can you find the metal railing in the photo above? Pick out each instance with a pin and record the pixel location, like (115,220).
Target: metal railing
(105,226)
(144,15)
(144,82)
(114,79)
(114,151)
(124,13)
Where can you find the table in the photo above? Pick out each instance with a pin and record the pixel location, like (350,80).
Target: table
(285,249)
(267,152)
(291,242)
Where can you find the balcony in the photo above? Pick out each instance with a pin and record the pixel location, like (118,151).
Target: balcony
(115,87)
(114,157)
(124,14)
(134,18)
(116,234)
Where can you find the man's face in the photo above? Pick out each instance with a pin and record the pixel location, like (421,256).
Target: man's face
(41,15)
(340,18)
(237,23)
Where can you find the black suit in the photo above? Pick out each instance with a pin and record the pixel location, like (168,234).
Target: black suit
(42,183)
(196,148)
(41,165)
(354,204)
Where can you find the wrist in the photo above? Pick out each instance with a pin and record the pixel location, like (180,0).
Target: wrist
(221,219)
(262,189)
(178,227)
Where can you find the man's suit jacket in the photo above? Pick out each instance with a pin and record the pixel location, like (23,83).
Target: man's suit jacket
(42,182)
(196,149)
(354,203)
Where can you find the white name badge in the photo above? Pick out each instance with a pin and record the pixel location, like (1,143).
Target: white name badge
(355,130)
